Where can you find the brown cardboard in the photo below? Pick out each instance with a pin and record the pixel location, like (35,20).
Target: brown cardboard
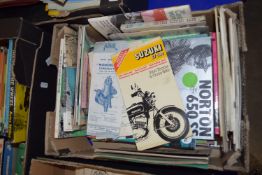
(217,161)
(58,167)
(58,33)
(56,38)
(64,146)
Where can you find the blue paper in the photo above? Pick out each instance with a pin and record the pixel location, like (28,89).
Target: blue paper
(195,4)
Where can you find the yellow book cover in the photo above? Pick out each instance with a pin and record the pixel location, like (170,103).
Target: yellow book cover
(21,113)
(151,95)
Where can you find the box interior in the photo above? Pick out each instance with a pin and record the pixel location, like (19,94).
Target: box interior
(78,149)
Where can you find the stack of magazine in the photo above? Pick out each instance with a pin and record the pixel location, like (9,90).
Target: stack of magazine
(153,85)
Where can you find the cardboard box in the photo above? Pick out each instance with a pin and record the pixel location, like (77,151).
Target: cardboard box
(75,148)
(59,167)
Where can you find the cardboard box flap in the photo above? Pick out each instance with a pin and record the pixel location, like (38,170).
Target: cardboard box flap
(58,33)
(28,39)
(209,14)
(47,166)
(66,146)
(56,38)
(19,28)
(25,56)
(238,8)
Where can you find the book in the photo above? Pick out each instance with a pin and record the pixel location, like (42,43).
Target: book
(21,113)
(191,62)
(71,6)
(85,48)
(2,74)
(70,54)
(215,83)
(12,93)
(81,111)
(62,119)
(162,33)
(2,85)
(1,153)
(85,84)
(7,85)
(164,24)
(151,159)
(108,25)
(80,43)
(69,77)
(106,108)
(151,95)
(68,97)
(11,111)
(225,83)
(236,80)
(20,157)
(7,159)
(58,120)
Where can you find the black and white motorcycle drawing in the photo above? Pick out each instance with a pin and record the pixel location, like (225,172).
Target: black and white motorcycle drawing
(170,122)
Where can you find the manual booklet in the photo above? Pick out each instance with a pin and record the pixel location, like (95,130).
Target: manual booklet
(191,62)
(107,117)
(151,95)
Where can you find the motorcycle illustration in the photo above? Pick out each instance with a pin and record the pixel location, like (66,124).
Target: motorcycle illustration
(181,52)
(170,122)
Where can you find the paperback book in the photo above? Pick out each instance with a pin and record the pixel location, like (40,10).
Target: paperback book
(191,62)
(154,107)
(3,60)
(7,85)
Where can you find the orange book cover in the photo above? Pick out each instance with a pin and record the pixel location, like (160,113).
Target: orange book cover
(2,80)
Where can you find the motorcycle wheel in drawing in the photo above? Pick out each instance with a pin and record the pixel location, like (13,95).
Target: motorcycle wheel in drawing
(170,132)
